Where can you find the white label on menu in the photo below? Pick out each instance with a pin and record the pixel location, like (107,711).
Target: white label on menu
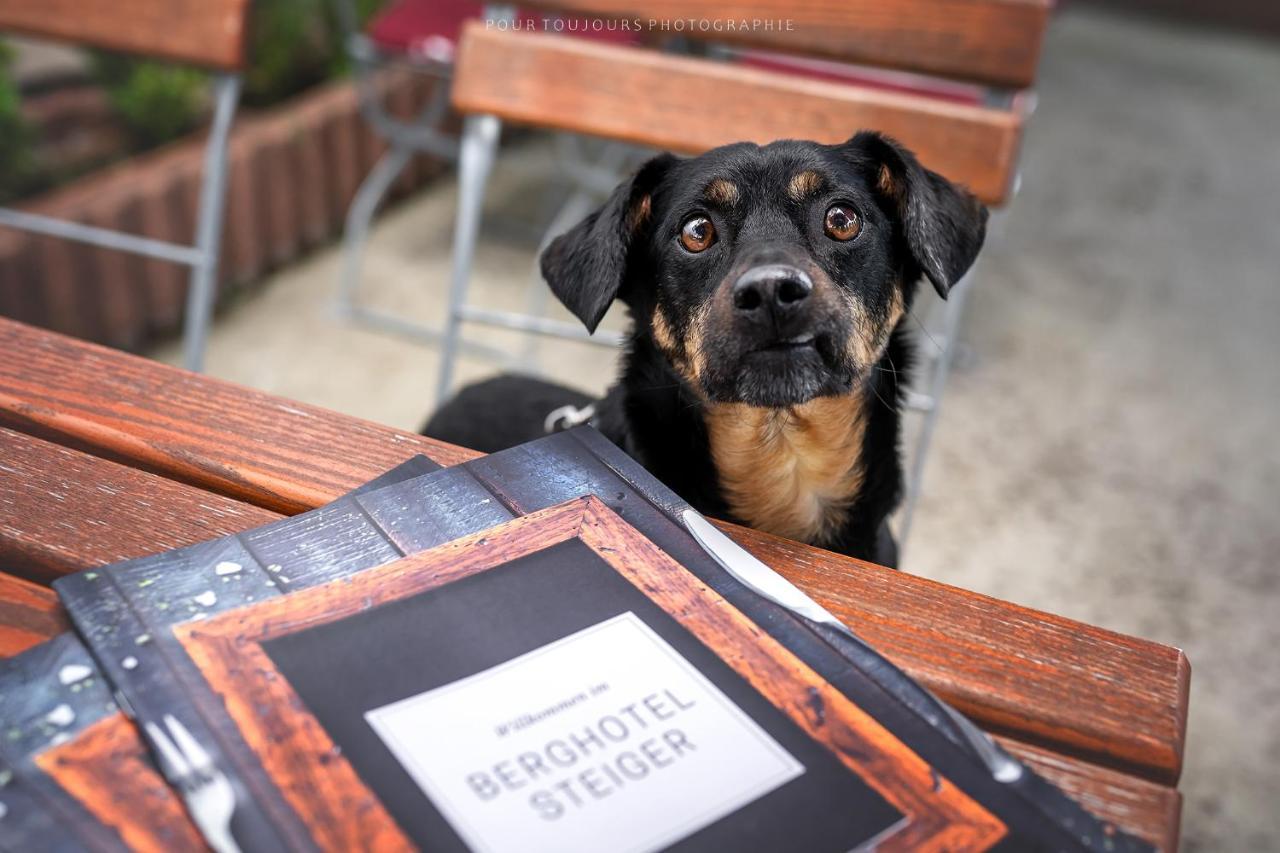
(606,739)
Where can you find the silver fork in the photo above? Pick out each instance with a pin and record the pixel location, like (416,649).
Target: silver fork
(208,793)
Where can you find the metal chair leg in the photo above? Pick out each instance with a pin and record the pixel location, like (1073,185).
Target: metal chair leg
(356,232)
(405,141)
(204,273)
(952,313)
(479,143)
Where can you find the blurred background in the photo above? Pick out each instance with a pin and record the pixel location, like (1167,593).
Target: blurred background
(1106,448)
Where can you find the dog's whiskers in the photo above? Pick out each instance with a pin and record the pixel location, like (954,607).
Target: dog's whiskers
(937,346)
(882,399)
(893,369)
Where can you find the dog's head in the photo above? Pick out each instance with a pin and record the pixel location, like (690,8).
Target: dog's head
(769,275)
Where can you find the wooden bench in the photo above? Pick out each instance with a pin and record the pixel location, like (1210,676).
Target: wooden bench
(691,104)
(996,42)
(208,33)
(107,456)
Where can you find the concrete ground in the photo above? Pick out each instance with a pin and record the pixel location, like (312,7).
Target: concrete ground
(1109,452)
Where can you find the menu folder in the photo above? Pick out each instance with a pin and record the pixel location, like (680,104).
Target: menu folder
(910,770)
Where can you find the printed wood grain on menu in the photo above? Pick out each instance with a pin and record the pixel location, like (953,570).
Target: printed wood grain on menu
(341,812)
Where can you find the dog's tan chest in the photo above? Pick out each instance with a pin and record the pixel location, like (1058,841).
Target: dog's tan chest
(794,471)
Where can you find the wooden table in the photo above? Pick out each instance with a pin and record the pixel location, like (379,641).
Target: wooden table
(106,456)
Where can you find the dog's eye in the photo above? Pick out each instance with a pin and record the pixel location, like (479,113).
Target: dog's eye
(697,234)
(842,223)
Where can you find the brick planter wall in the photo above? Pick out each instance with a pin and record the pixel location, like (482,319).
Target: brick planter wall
(293,171)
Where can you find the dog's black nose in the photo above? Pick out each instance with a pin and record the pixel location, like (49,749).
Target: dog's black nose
(777,289)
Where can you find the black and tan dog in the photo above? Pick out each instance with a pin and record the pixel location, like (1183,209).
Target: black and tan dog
(768,288)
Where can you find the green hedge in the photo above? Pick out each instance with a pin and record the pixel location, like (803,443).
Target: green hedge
(18,172)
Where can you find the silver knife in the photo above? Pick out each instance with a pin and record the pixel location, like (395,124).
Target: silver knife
(755,575)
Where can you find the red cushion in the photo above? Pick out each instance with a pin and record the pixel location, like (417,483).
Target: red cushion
(427,28)
(430,28)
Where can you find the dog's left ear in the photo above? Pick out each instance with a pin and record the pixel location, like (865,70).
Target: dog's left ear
(587,265)
(944,223)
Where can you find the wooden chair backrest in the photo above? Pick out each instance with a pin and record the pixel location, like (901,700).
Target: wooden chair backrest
(690,105)
(994,42)
(206,33)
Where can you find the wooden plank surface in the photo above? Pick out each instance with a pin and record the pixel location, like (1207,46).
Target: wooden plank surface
(990,41)
(29,614)
(691,105)
(62,511)
(1149,810)
(255,447)
(1116,699)
(225,438)
(210,33)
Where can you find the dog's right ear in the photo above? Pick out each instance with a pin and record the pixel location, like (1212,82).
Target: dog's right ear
(586,265)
